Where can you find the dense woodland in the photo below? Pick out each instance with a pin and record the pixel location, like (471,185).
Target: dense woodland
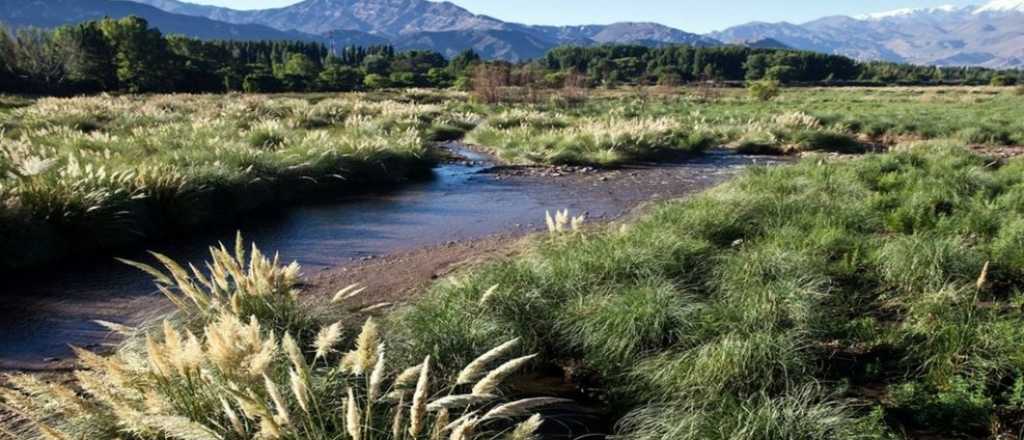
(127,55)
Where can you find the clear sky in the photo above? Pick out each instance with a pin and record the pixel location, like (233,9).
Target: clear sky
(690,15)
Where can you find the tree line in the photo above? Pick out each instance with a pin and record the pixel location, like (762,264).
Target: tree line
(127,55)
(682,64)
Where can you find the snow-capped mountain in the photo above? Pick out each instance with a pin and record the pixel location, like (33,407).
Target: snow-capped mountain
(990,35)
(997,6)
(916,12)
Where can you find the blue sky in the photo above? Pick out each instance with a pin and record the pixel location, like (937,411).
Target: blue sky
(691,15)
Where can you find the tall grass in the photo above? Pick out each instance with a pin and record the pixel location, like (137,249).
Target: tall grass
(98,172)
(532,137)
(855,298)
(236,366)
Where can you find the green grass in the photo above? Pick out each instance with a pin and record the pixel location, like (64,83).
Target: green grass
(87,174)
(771,306)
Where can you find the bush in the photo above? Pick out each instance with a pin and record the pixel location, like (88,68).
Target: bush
(800,414)
(261,83)
(1019,90)
(962,406)
(764,90)
(1003,81)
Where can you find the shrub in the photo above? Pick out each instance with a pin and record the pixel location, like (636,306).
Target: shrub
(1003,81)
(764,90)
(829,141)
(962,407)
(799,414)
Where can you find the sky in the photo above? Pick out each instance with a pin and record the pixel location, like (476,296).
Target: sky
(690,15)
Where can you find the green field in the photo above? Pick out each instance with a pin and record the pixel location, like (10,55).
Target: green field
(873,296)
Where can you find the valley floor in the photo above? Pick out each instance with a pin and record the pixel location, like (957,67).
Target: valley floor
(862,297)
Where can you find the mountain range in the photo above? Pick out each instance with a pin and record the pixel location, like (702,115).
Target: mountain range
(990,35)
(440,26)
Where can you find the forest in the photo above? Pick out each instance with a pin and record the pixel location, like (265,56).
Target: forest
(127,55)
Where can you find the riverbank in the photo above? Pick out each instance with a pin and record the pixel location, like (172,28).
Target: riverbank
(868,297)
(465,201)
(87,176)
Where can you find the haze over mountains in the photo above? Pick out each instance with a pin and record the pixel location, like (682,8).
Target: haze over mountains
(990,35)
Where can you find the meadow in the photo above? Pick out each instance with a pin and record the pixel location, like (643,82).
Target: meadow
(91,174)
(875,296)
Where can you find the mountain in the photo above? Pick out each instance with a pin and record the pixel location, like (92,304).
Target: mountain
(989,35)
(381,17)
(52,13)
(767,43)
(441,26)
(500,44)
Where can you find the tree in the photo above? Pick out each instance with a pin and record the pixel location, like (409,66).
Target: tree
(1002,81)
(301,66)
(375,81)
(463,62)
(261,82)
(338,78)
(756,66)
(377,64)
(668,79)
(38,56)
(89,58)
(779,74)
(441,78)
(8,61)
(764,90)
(402,80)
(490,81)
(141,55)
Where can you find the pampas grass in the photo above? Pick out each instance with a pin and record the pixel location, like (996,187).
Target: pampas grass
(106,171)
(236,379)
(489,383)
(586,140)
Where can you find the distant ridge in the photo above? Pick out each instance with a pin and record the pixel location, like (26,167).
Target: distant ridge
(440,26)
(989,35)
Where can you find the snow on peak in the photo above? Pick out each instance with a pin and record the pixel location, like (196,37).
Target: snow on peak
(1002,6)
(909,12)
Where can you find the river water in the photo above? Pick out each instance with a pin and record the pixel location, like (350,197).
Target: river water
(44,312)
